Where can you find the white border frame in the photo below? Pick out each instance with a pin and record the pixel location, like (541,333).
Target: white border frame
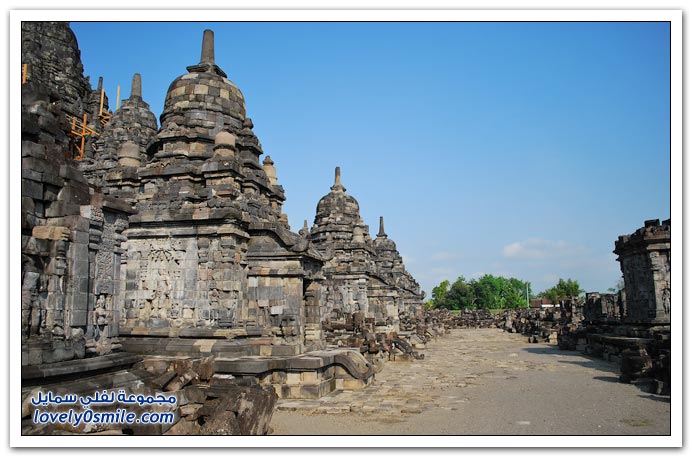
(673,16)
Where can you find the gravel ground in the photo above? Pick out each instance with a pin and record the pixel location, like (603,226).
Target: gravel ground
(484,382)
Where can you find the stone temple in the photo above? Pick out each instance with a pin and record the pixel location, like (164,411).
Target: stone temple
(644,258)
(165,249)
(363,275)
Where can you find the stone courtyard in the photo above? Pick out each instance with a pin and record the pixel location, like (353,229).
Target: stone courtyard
(485,381)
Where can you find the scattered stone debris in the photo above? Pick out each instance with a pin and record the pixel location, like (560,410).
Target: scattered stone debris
(203,403)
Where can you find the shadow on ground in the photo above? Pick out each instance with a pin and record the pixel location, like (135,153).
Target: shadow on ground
(657,398)
(607,378)
(544,350)
(596,364)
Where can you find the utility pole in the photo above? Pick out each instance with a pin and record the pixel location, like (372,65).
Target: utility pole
(528,303)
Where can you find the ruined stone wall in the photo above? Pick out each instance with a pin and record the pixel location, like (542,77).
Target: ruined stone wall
(71,242)
(54,63)
(644,258)
(183,281)
(601,307)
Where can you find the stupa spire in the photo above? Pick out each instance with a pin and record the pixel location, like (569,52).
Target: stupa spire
(207,48)
(207,64)
(337,187)
(381,233)
(136,91)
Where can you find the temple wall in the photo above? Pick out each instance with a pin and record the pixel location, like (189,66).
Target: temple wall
(641,291)
(184,281)
(71,243)
(276,301)
(601,307)
(644,258)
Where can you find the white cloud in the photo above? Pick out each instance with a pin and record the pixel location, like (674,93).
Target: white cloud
(538,249)
(407,260)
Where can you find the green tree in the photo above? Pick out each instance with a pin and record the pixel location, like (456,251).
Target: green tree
(512,295)
(498,292)
(439,295)
(460,295)
(488,292)
(552,294)
(562,290)
(569,288)
(518,289)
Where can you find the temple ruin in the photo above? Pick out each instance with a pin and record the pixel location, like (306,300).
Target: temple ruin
(632,327)
(161,254)
(367,287)
(157,259)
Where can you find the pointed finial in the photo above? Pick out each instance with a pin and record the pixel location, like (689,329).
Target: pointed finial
(206,63)
(337,187)
(305,231)
(208,48)
(136,91)
(270,171)
(381,232)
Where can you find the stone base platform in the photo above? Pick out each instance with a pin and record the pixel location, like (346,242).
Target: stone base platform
(642,351)
(217,346)
(311,375)
(40,374)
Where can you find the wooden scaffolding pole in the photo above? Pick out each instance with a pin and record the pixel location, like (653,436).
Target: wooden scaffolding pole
(79,131)
(104,117)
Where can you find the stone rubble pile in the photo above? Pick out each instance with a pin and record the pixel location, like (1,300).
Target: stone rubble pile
(539,325)
(205,403)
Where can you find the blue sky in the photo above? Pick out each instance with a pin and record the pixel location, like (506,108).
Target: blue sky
(518,149)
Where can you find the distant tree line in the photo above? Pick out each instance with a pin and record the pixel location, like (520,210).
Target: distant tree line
(495,292)
(562,290)
(486,292)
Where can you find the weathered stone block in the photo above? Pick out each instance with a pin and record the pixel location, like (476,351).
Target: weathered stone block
(51,233)
(32,189)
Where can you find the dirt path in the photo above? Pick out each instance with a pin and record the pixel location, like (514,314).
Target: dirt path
(484,382)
